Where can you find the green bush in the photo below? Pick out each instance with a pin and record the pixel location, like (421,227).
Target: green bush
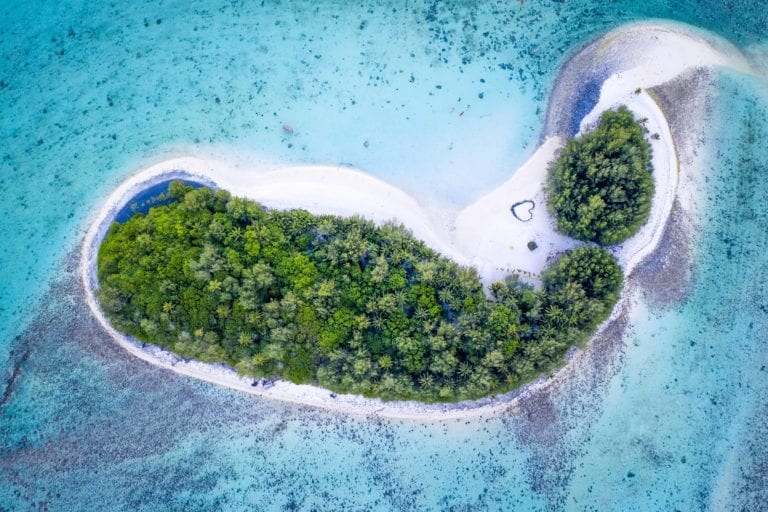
(600,187)
(582,283)
(338,301)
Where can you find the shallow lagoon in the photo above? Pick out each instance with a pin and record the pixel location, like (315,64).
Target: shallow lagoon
(676,422)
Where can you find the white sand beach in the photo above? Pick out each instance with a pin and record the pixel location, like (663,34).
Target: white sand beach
(485,234)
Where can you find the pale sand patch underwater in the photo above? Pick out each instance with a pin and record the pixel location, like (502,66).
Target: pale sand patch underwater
(484,235)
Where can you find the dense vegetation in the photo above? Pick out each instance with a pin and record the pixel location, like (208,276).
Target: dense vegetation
(600,186)
(338,301)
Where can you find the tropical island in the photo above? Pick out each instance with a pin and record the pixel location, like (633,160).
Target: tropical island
(359,308)
(484,235)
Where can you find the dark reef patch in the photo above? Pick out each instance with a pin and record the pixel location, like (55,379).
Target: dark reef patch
(666,278)
(553,422)
(11,382)
(753,467)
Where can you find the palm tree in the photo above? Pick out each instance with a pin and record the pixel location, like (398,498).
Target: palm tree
(244,339)
(236,233)
(467,279)
(446,296)
(254,317)
(555,314)
(363,322)
(421,314)
(378,322)
(400,298)
(465,370)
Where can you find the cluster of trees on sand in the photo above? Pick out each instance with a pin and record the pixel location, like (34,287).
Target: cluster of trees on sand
(339,302)
(600,186)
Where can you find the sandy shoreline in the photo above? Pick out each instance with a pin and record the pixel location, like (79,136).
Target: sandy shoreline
(484,234)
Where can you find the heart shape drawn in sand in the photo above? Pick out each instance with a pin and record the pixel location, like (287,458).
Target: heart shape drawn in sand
(523,210)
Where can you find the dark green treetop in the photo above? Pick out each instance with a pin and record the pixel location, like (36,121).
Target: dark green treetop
(600,187)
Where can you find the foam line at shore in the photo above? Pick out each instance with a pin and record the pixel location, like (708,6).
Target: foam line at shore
(485,234)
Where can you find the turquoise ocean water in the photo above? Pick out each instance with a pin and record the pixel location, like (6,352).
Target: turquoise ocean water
(442,99)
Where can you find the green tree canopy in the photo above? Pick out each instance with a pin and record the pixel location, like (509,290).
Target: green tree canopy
(339,302)
(600,186)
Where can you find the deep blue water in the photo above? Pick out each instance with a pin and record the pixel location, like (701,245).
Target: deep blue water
(439,98)
(156,195)
(585,102)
